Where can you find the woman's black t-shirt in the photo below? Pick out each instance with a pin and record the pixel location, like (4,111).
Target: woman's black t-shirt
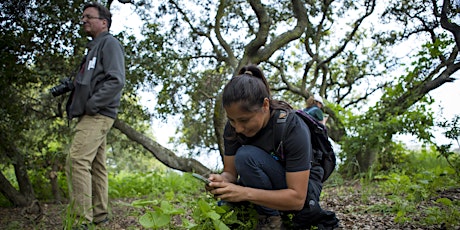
(297,143)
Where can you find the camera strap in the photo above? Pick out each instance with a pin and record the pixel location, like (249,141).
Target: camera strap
(79,68)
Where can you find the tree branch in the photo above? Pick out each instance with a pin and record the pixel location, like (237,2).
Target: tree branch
(161,153)
(228,49)
(446,24)
(300,13)
(264,26)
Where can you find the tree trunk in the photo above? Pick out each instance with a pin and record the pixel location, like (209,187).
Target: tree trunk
(366,159)
(25,197)
(161,153)
(53,175)
(335,128)
(10,193)
(219,120)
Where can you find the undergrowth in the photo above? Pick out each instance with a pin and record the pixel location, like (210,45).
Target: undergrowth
(175,200)
(415,190)
(178,201)
(167,199)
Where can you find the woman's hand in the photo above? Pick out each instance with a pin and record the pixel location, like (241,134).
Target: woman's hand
(223,177)
(228,191)
(214,178)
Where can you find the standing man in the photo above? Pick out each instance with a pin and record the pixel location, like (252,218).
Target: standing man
(94,101)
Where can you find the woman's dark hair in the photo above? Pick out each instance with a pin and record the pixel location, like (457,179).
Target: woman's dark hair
(104,13)
(250,88)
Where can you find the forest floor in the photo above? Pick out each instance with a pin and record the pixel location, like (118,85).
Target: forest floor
(355,208)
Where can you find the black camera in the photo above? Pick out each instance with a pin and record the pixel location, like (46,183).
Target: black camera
(65,86)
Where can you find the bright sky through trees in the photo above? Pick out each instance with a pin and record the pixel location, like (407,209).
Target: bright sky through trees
(445,107)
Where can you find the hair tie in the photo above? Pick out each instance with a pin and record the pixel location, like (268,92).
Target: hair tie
(248,72)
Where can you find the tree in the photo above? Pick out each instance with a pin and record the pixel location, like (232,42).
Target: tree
(28,46)
(41,44)
(304,47)
(402,107)
(320,46)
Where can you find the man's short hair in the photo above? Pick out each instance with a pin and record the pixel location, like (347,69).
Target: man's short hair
(104,13)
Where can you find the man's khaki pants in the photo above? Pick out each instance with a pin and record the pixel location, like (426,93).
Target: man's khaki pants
(86,169)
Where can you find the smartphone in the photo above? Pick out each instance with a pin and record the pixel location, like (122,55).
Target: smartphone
(202,178)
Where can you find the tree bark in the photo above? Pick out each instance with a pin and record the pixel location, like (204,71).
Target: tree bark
(219,120)
(53,176)
(161,153)
(366,159)
(10,193)
(25,197)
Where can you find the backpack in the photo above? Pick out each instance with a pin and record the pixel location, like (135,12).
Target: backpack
(313,112)
(322,151)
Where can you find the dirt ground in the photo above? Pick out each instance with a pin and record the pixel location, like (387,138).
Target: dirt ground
(350,207)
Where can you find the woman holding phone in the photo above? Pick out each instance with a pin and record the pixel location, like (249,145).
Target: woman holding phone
(255,171)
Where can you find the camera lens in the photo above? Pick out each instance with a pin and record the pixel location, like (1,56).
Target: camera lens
(64,87)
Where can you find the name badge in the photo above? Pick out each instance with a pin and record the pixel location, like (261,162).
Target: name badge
(92,63)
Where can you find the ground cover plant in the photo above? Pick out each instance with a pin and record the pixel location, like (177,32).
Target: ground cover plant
(422,192)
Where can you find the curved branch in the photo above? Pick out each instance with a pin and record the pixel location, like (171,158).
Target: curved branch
(284,78)
(300,13)
(220,13)
(25,196)
(413,95)
(161,153)
(446,24)
(264,27)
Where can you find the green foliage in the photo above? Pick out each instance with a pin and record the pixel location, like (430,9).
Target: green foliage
(171,196)
(41,44)
(453,133)
(128,184)
(208,216)
(415,192)
(371,133)
(161,217)
(415,188)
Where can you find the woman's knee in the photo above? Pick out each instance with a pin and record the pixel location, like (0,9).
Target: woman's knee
(247,154)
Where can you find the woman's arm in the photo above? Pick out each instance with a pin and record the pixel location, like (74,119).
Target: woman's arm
(292,198)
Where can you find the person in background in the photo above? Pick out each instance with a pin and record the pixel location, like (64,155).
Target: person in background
(254,169)
(94,101)
(314,107)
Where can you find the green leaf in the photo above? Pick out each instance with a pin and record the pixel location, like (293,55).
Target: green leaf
(219,225)
(154,220)
(143,203)
(169,209)
(444,201)
(212,215)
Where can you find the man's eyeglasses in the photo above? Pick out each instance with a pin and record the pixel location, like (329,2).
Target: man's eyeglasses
(89,17)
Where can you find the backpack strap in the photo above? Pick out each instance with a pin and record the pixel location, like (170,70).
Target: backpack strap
(308,109)
(279,134)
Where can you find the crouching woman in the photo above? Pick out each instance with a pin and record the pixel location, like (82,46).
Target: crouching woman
(276,178)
